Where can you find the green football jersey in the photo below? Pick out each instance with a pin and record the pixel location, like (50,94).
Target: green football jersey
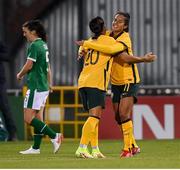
(37,77)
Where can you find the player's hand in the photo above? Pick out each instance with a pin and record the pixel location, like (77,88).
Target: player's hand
(150,57)
(50,88)
(80,43)
(81,54)
(18,77)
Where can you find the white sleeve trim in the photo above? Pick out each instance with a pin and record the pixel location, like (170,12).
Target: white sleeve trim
(31,59)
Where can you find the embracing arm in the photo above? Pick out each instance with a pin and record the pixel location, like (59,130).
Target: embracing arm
(105,48)
(25,69)
(149,57)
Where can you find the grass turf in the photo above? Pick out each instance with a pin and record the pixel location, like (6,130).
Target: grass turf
(154,154)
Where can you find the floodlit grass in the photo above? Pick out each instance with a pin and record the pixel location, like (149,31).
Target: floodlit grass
(155,154)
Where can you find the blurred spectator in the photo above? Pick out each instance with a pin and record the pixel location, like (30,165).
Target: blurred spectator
(4,106)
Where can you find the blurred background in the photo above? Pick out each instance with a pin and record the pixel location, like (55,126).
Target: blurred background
(154,26)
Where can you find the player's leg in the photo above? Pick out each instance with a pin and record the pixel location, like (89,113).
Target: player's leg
(94,138)
(37,122)
(125,106)
(117,91)
(133,90)
(82,151)
(135,148)
(96,113)
(96,103)
(87,130)
(92,99)
(37,134)
(28,114)
(128,98)
(32,104)
(116,97)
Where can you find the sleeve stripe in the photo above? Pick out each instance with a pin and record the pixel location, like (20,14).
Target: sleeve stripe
(31,59)
(125,46)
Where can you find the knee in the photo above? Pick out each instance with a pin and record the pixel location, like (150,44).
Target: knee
(96,112)
(27,120)
(29,114)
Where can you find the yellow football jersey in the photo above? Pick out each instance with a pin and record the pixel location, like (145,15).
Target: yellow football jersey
(97,66)
(123,73)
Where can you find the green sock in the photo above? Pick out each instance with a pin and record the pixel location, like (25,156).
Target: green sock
(43,128)
(37,139)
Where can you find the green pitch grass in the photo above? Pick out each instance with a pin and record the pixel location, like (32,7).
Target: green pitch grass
(155,154)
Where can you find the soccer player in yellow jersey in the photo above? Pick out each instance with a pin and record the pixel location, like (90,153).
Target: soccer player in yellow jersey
(125,79)
(92,84)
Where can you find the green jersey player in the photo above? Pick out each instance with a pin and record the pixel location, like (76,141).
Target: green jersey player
(38,72)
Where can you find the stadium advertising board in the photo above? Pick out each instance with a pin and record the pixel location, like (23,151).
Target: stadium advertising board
(154,117)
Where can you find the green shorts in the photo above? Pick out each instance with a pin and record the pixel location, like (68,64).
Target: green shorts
(92,97)
(126,90)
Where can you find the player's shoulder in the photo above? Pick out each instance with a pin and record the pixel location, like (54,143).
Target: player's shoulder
(124,35)
(39,44)
(34,44)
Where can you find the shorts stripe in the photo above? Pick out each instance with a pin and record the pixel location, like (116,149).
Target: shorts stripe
(126,87)
(30,99)
(35,100)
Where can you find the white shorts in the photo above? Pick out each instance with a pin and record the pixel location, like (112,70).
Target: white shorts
(35,100)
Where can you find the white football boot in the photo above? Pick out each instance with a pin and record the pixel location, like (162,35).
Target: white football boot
(57,142)
(30,151)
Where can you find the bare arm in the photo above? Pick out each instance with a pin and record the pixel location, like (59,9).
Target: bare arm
(50,78)
(105,48)
(149,57)
(28,66)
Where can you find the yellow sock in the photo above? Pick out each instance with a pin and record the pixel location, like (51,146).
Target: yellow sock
(88,128)
(94,136)
(134,144)
(127,134)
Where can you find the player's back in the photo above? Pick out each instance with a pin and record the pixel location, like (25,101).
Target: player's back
(97,67)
